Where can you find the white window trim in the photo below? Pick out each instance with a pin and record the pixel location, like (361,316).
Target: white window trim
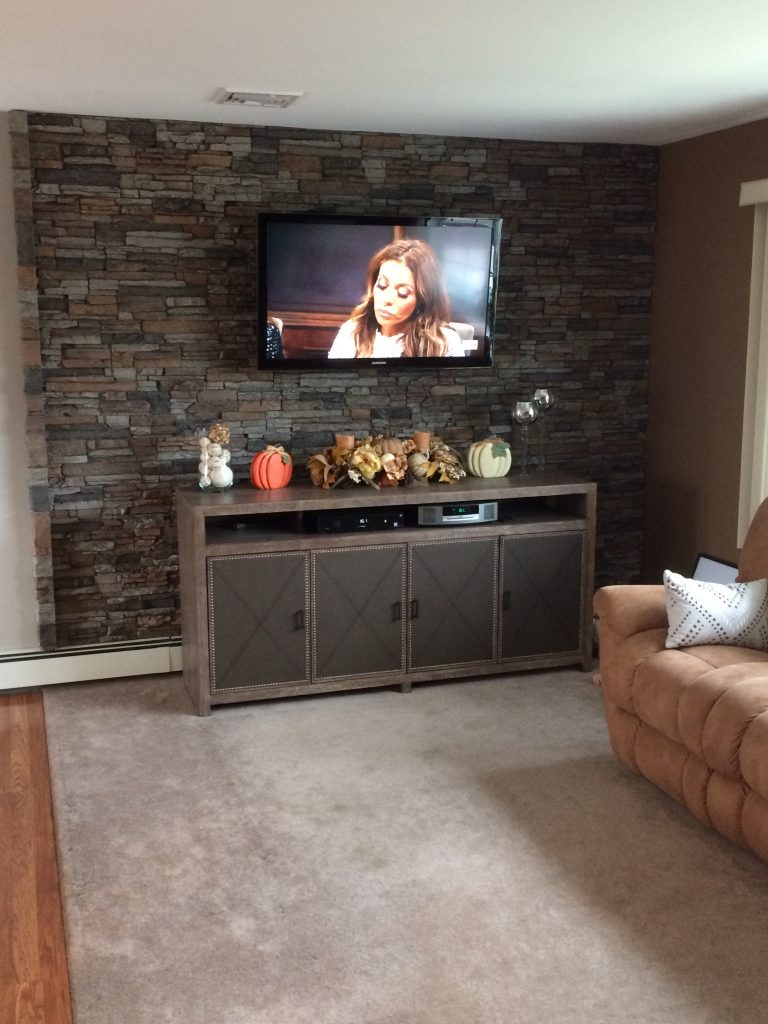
(754,446)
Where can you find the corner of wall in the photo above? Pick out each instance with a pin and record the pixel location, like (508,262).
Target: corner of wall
(26,601)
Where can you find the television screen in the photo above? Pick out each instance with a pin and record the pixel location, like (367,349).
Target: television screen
(402,292)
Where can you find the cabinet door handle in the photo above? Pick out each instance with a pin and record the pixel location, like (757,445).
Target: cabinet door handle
(397,611)
(298,619)
(506,600)
(414,608)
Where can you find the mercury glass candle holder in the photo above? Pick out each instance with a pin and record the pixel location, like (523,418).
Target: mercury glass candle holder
(544,400)
(524,414)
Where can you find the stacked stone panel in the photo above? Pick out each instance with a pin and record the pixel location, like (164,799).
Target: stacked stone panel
(141,263)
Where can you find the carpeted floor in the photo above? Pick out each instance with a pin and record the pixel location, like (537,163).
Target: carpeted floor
(463,854)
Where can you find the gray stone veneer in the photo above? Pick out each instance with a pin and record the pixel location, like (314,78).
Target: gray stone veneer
(137,264)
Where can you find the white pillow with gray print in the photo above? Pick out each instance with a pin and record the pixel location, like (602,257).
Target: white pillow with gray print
(716,613)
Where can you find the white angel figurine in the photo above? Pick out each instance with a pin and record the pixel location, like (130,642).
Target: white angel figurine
(214,458)
(213,465)
(220,474)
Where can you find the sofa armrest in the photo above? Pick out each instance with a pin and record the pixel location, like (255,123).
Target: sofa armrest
(628,609)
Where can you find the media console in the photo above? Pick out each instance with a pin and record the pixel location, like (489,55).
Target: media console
(272,606)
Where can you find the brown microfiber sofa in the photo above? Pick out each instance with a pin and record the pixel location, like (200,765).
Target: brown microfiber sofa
(694,721)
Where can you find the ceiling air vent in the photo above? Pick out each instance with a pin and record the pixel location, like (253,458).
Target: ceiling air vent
(240,98)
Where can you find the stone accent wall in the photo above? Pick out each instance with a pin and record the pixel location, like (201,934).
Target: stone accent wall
(142,236)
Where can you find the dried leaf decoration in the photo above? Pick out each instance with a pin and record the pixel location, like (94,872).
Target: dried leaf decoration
(321,471)
(384,461)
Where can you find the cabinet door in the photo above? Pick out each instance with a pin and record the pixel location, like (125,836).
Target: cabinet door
(452,603)
(359,622)
(258,609)
(542,595)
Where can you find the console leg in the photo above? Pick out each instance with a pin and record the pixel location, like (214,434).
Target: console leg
(406,686)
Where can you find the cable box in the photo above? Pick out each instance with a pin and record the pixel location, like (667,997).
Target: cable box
(349,520)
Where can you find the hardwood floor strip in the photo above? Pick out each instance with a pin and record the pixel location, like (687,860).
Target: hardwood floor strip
(34,978)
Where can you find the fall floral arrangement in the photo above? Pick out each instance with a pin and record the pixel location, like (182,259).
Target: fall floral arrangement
(384,461)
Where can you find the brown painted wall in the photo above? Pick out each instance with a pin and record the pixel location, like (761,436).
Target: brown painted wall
(698,347)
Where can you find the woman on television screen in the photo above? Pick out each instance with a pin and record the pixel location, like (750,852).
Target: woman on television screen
(405,309)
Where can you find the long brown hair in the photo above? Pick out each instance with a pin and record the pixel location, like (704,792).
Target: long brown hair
(423,335)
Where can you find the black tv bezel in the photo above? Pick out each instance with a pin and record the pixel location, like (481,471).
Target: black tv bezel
(410,363)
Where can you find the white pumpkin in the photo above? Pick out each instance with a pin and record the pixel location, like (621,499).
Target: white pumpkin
(418,463)
(489,458)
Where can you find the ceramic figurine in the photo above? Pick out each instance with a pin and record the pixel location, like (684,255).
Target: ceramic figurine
(214,458)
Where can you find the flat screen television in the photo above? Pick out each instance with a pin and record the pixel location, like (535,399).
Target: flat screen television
(400,292)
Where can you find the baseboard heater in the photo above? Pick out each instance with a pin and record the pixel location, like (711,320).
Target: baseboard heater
(30,669)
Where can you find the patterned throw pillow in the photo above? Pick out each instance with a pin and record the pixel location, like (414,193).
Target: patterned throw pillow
(716,613)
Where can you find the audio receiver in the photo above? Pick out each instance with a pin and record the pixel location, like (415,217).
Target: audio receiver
(454,515)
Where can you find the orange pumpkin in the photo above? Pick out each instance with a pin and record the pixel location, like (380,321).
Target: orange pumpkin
(390,444)
(272,468)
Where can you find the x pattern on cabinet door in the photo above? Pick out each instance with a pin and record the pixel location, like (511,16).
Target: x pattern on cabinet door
(258,606)
(544,577)
(453,591)
(358,624)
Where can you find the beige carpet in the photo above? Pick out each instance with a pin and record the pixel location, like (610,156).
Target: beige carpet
(464,854)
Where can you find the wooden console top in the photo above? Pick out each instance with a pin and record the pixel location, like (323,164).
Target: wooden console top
(243,499)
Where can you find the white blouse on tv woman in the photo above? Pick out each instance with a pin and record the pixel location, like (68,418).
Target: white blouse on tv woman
(343,346)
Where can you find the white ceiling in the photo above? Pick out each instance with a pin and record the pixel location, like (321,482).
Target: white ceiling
(653,71)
